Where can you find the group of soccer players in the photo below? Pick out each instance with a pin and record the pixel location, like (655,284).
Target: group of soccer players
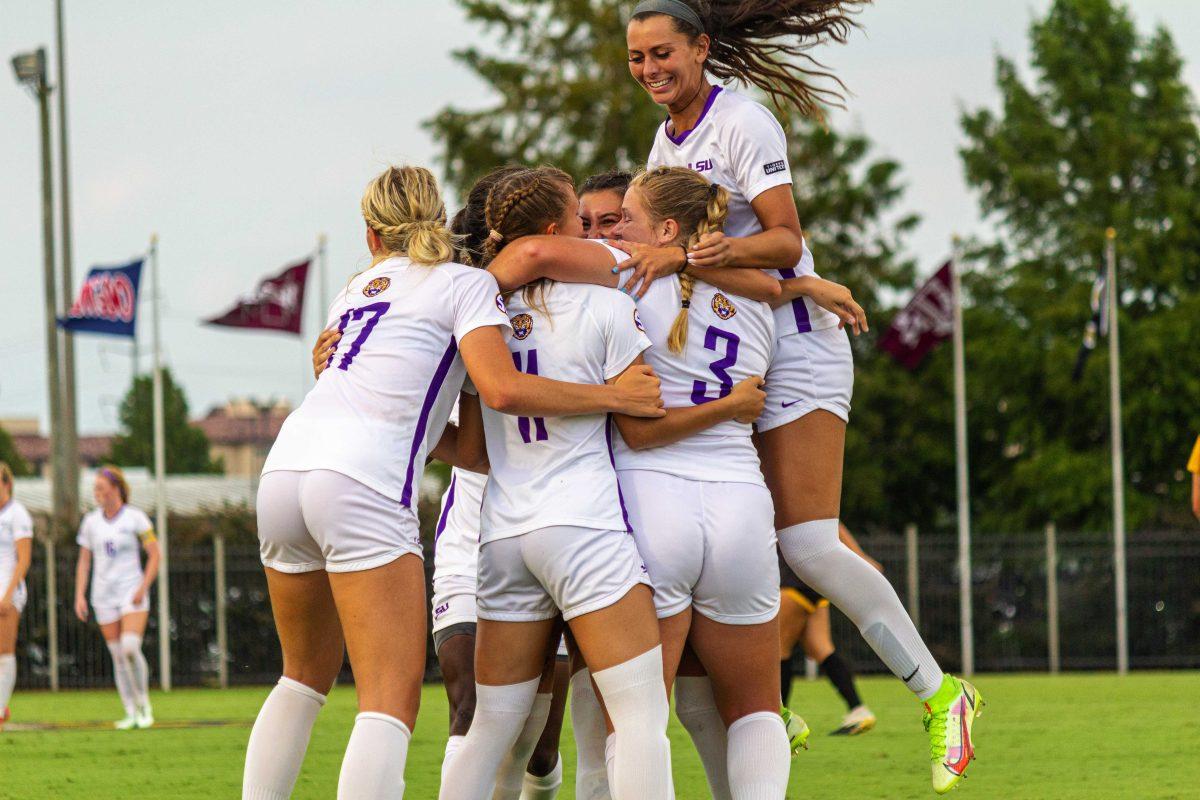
(645,425)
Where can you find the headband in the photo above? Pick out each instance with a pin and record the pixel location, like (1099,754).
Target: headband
(672,8)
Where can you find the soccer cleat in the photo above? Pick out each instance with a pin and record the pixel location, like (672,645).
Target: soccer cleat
(949,717)
(126,724)
(797,730)
(859,720)
(145,717)
(5,716)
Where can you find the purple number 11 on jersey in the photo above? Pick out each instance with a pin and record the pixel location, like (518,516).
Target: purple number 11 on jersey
(539,423)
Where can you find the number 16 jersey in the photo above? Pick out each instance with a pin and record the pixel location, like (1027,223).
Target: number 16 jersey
(730,338)
(388,389)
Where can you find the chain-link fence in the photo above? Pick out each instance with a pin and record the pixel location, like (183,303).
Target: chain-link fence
(1012,622)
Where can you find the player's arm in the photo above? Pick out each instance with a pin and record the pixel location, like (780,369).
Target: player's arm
(83,570)
(153,559)
(828,295)
(848,539)
(503,388)
(472,446)
(750,283)
(561,258)
(24,547)
(744,404)
(779,246)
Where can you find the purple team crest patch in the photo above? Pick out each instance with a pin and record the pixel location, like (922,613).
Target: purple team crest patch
(522,325)
(376,286)
(722,307)
(637,321)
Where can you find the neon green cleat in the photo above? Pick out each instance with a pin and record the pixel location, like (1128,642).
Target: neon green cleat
(949,717)
(797,730)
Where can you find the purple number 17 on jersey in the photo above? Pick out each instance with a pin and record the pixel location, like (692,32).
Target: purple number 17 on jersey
(539,423)
(719,368)
(377,310)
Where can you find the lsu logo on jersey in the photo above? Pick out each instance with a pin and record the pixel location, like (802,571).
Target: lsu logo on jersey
(637,321)
(500,304)
(703,165)
(522,325)
(376,286)
(722,307)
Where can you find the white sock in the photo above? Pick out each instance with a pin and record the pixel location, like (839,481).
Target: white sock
(636,700)
(814,552)
(373,767)
(453,745)
(697,710)
(510,778)
(139,670)
(123,677)
(279,739)
(543,787)
(587,721)
(760,757)
(610,759)
(8,678)
(500,714)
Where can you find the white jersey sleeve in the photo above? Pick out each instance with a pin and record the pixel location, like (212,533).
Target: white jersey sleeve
(757,150)
(21,522)
(624,336)
(140,521)
(478,303)
(84,537)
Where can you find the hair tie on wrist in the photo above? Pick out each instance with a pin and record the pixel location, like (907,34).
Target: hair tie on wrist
(684,265)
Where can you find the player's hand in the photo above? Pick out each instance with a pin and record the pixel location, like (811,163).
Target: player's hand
(81,609)
(648,264)
(326,343)
(713,250)
(837,298)
(638,393)
(138,596)
(748,399)
(6,606)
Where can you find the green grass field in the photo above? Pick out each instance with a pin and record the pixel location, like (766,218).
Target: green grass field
(1073,736)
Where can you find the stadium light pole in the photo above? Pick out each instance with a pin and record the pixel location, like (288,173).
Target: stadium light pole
(70,421)
(1118,456)
(30,70)
(160,486)
(965,611)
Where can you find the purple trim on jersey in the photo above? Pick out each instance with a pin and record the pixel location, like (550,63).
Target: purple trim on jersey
(441,526)
(681,138)
(799,308)
(608,423)
(435,386)
(113,518)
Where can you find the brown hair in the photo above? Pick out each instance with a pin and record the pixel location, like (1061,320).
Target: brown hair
(403,205)
(523,204)
(699,207)
(469,225)
(766,43)
(116,477)
(6,474)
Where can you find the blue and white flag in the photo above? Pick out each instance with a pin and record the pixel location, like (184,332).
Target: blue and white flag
(107,302)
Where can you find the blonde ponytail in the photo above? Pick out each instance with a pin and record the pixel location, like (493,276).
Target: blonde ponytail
(404,207)
(699,207)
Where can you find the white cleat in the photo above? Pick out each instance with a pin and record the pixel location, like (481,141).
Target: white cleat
(859,720)
(145,718)
(126,724)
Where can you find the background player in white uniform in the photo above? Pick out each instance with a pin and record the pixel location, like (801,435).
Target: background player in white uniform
(109,539)
(600,199)
(16,553)
(553,534)
(673,46)
(336,520)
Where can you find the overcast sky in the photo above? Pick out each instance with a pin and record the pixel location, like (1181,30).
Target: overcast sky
(240,131)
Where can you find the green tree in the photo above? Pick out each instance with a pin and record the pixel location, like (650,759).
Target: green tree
(564,94)
(186,445)
(1103,135)
(10,456)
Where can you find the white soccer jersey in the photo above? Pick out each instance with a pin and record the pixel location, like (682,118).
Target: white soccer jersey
(15,523)
(558,470)
(739,144)
(456,538)
(730,338)
(387,391)
(115,544)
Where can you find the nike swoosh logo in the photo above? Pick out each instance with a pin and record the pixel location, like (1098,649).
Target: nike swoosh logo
(964,758)
(787,405)
(911,674)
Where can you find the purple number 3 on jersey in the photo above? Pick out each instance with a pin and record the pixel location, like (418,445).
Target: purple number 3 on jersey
(720,368)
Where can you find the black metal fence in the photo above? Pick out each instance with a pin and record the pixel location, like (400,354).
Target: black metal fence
(1009,583)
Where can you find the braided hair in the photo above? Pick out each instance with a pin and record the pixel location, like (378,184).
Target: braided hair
(469,224)
(404,207)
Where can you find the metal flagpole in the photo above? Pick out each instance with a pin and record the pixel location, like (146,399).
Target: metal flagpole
(1118,458)
(160,488)
(70,433)
(966,633)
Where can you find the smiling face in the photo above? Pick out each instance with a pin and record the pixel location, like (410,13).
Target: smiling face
(665,61)
(600,212)
(637,225)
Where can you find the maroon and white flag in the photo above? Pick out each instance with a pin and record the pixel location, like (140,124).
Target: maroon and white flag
(925,322)
(276,305)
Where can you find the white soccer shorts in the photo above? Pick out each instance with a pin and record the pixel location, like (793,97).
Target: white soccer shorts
(533,576)
(321,519)
(810,371)
(108,611)
(453,601)
(707,544)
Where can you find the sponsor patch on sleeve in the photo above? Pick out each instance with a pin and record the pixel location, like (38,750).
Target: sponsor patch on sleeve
(774,166)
